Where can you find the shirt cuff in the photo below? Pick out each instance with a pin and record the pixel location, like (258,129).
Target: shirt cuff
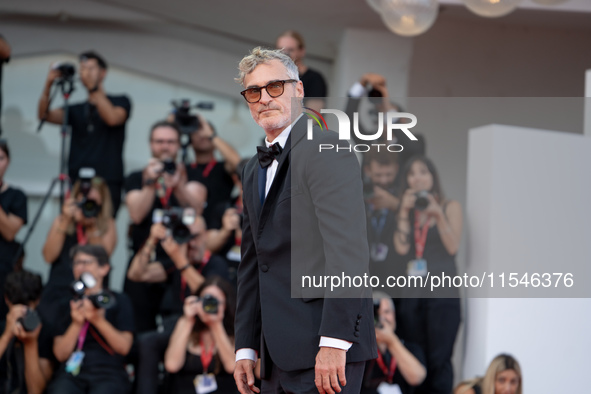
(246,354)
(332,342)
(357,90)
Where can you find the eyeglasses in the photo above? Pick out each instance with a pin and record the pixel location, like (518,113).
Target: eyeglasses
(274,89)
(85,263)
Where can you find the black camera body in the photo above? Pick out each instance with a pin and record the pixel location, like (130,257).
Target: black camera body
(103,299)
(422,200)
(169,166)
(67,70)
(177,220)
(30,321)
(89,207)
(210,304)
(182,115)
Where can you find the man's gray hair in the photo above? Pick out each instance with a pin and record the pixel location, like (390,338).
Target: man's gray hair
(261,55)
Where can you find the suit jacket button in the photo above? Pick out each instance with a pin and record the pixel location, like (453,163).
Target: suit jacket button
(356,328)
(264,268)
(358,321)
(359,316)
(356,333)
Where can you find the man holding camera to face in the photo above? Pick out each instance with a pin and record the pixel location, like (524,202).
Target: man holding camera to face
(162,184)
(96,331)
(27,359)
(187,268)
(97,125)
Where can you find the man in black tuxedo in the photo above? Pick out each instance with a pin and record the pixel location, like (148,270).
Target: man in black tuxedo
(312,342)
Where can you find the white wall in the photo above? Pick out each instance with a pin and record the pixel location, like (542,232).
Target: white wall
(528,211)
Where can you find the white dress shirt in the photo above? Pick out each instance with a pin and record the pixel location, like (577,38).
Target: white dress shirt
(250,354)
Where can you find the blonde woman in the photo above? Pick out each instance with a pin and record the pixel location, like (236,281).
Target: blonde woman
(503,376)
(84,219)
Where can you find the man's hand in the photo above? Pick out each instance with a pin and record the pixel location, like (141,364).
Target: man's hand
(15,313)
(26,337)
(92,314)
(244,377)
(77,312)
(52,75)
(330,370)
(157,232)
(382,199)
(152,170)
(176,252)
(231,220)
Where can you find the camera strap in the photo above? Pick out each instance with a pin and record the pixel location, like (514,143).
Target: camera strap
(82,335)
(209,167)
(388,372)
(420,236)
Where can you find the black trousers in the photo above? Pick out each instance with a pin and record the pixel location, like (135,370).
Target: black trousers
(302,382)
(433,324)
(99,381)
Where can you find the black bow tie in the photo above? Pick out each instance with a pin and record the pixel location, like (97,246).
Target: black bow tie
(267,155)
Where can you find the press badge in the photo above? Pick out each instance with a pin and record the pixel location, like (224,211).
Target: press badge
(417,267)
(234,253)
(75,362)
(205,383)
(379,252)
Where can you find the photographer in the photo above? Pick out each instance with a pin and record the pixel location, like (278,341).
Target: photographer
(98,125)
(200,354)
(374,87)
(215,175)
(224,236)
(162,184)
(428,233)
(26,344)
(13,215)
(78,224)
(399,363)
(189,266)
(503,376)
(381,204)
(92,341)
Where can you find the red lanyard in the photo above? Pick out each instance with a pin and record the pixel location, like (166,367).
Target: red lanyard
(82,240)
(388,372)
(206,257)
(206,357)
(420,236)
(209,167)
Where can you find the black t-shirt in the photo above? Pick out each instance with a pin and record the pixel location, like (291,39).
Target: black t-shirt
(97,351)
(12,363)
(140,232)
(314,85)
(182,382)
(374,375)
(13,201)
(176,291)
(94,144)
(218,182)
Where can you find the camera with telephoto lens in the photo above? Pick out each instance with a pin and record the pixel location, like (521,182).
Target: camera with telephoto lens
(67,70)
(177,220)
(104,299)
(187,122)
(89,207)
(30,321)
(210,304)
(422,201)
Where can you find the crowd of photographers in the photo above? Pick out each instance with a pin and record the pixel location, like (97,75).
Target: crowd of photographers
(172,328)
